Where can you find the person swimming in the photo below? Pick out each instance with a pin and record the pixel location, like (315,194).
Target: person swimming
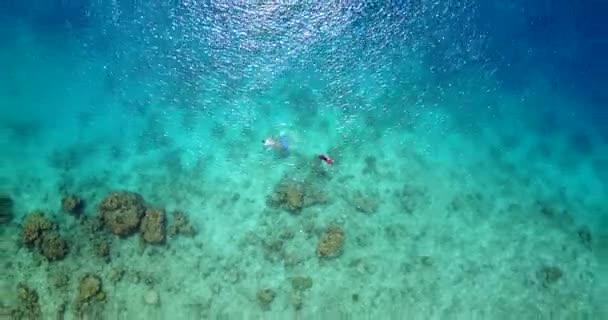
(325,158)
(281,144)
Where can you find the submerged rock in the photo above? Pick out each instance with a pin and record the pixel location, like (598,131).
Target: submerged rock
(122,211)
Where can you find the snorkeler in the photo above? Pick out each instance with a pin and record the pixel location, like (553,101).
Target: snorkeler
(325,158)
(281,144)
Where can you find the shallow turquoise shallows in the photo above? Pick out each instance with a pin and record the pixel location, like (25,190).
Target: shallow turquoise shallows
(191,159)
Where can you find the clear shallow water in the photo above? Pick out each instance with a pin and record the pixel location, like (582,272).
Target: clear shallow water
(469,143)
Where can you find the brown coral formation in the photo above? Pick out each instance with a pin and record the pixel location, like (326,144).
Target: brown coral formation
(301,283)
(102,249)
(122,211)
(34,226)
(331,242)
(40,234)
(181,226)
(294,198)
(265,298)
(294,195)
(29,306)
(53,246)
(288,194)
(90,289)
(72,204)
(6,209)
(91,298)
(152,228)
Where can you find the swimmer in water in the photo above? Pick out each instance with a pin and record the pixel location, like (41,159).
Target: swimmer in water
(281,144)
(325,158)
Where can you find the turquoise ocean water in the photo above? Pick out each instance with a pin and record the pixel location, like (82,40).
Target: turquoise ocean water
(468,138)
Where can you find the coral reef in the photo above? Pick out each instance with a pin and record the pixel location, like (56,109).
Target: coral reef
(301,283)
(331,242)
(34,226)
(39,233)
(288,194)
(102,249)
(6,209)
(92,225)
(59,278)
(122,211)
(294,195)
(265,298)
(29,306)
(90,302)
(90,289)
(116,275)
(53,246)
(181,226)
(72,204)
(152,228)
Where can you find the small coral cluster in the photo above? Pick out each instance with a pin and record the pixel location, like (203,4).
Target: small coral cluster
(289,194)
(181,225)
(299,284)
(152,226)
(294,195)
(125,213)
(41,234)
(90,289)
(72,204)
(265,297)
(122,211)
(331,242)
(90,294)
(29,306)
